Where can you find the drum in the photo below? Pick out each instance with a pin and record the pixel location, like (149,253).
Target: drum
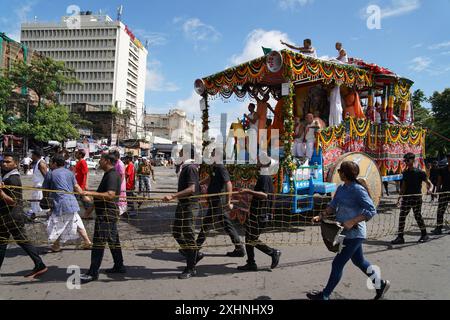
(369,172)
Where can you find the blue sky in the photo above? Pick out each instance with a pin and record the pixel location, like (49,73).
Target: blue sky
(192,39)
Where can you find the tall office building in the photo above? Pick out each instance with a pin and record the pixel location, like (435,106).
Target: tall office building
(109,62)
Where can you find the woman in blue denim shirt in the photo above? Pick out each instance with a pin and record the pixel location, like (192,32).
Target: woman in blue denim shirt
(352,207)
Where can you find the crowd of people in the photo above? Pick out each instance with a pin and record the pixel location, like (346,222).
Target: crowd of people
(351,206)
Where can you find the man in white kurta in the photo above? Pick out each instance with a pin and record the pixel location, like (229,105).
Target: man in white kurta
(40,170)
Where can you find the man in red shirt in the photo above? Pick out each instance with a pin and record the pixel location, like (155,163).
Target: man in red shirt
(81,169)
(130,179)
(81,174)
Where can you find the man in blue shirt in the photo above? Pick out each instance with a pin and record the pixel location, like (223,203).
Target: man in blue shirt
(65,222)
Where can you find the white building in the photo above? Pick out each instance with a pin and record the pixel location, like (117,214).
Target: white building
(109,61)
(174,126)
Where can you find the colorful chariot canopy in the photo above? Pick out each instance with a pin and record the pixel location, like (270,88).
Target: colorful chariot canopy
(278,67)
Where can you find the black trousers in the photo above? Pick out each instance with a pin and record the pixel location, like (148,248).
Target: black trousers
(216,217)
(414,203)
(184,230)
(105,232)
(130,201)
(444,199)
(14,227)
(252,232)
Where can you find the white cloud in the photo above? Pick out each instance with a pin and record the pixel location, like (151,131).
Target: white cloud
(177,20)
(439,45)
(445,53)
(190,105)
(419,45)
(155,80)
(153,38)
(11,25)
(196,30)
(256,40)
(400,7)
(397,8)
(419,64)
(293,4)
(23,11)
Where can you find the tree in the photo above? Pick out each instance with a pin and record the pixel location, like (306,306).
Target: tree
(45,76)
(422,115)
(440,103)
(6,88)
(78,122)
(51,123)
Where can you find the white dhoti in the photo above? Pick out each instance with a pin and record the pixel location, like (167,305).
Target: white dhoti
(306,150)
(64,227)
(303,149)
(296,148)
(36,196)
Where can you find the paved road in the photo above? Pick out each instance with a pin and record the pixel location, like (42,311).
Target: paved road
(416,271)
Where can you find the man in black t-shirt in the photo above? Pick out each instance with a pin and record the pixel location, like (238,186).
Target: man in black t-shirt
(411,196)
(260,213)
(107,213)
(183,226)
(443,187)
(220,182)
(11,215)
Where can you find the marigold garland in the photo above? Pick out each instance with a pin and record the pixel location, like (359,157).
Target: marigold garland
(296,67)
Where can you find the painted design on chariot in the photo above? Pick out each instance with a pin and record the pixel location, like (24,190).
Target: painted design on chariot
(386,144)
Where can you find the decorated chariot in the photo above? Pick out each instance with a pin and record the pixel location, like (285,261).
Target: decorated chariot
(376,128)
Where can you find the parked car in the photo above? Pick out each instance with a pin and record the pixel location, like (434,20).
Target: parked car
(92,164)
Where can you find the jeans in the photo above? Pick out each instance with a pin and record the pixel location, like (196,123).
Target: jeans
(216,215)
(144,184)
(105,232)
(15,228)
(352,250)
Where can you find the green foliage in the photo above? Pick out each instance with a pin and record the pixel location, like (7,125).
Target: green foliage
(52,123)
(78,122)
(440,103)
(422,115)
(127,114)
(114,110)
(45,76)
(6,88)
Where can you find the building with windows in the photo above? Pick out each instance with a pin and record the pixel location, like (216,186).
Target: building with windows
(174,126)
(109,62)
